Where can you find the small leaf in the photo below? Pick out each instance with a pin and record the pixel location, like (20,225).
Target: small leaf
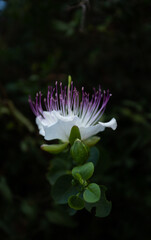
(103,206)
(63,189)
(79,152)
(90,142)
(54,148)
(92,193)
(76,202)
(85,171)
(74,134)
(53,175)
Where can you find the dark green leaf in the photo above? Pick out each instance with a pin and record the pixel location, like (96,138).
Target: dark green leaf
(94,155)
(63,189)
(58,166)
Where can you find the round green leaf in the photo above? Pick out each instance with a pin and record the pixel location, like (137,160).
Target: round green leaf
(85,171)
(54,148)
(58,167)
(92,193)
(74,134)
(76,202)
(102,207)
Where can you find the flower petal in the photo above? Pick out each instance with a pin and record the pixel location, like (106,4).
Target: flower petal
(40,126)
(111,124)
(61,129)
(56,126)
(87,132)
(48,120)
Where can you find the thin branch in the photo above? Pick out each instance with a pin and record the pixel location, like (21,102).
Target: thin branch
(84,5)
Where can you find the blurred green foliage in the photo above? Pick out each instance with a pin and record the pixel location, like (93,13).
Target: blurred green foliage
(104,42)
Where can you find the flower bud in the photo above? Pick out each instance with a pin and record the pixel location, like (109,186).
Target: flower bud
(79,152)
(74,134)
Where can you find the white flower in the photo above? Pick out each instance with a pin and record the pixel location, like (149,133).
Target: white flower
(64,110)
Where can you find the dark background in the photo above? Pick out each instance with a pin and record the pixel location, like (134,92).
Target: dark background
(106,42)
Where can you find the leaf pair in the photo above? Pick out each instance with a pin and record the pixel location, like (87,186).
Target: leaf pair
(91,192)
(90,195)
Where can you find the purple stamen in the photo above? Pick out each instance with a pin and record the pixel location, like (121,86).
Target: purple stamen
(66,101)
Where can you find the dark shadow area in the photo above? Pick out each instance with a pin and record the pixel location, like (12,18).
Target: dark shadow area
(105,43)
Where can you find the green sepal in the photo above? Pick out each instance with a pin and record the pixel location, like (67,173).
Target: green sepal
(90,142)
(74,134)
(79,152)
(75,202)
(54,148)
(85,171)
(92,193)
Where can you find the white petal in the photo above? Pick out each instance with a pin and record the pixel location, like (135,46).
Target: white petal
(87,132)
(61,129)
(40,126)
(111,124)
(49,120)
(56,126)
